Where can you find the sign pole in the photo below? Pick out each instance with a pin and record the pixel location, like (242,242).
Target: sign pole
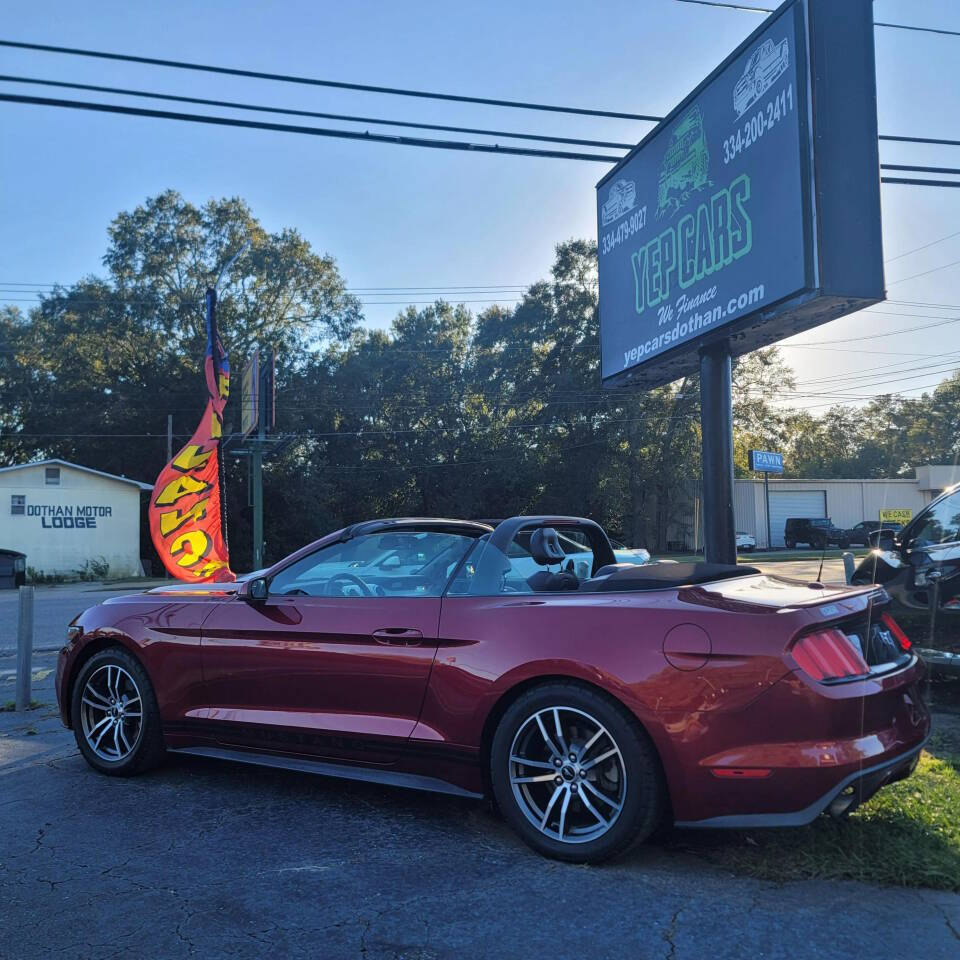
(716,425)
(766,500)
(256,463)
(24,648)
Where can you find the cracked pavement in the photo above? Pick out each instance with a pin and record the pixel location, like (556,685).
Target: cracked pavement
(203,858)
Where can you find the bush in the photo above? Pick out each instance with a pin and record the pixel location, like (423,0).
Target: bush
(96,568)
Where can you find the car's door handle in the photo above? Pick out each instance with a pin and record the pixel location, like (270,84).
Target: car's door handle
(398,635)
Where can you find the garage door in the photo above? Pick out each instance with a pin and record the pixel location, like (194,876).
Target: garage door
(802,503)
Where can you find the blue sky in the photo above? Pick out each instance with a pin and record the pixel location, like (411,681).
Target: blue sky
(396,216)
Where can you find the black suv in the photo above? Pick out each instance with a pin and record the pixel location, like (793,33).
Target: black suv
(816,531)
(921,572)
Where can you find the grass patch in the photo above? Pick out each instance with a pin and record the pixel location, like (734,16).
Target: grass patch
(907,835)
(11,705)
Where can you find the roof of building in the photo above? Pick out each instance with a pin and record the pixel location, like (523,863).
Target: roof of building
(76,466)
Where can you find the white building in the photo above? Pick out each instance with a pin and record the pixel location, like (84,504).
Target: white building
(64,516)
(845,502)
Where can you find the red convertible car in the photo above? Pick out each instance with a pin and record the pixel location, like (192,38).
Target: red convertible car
(422,653)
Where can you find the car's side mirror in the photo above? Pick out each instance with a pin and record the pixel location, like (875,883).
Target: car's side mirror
(257,589)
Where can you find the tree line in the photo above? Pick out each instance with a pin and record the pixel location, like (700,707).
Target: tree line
(446,413)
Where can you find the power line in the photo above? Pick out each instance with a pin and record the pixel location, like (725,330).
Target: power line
(356,135)
(235,71)
(234,105)
(338,84)
(311,131)
(914,276)
(934,140)
(921,183)
(909,167)
(932,243)
(876,23)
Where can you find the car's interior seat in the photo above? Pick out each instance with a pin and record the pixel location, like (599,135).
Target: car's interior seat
(546,550)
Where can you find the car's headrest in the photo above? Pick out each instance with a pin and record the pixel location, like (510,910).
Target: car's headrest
(545,546)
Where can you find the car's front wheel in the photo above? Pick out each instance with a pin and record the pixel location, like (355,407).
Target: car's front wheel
(574,774)
(116,721)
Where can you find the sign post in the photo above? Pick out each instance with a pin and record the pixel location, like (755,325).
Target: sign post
(766,462)
(749,214)
(258,414)
(716,426)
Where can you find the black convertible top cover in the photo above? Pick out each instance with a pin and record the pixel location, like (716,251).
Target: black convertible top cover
(664,576)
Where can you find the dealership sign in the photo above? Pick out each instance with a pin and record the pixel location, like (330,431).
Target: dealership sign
(763,461)
(752,211)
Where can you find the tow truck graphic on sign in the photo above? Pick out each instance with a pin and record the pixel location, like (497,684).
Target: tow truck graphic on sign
(685,164)
(621,199)
(765,65)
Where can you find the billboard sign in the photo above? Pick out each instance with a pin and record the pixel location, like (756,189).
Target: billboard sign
(709,228)
(250,395)
(763,461)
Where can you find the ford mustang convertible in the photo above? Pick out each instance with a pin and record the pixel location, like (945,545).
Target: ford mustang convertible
(590,704)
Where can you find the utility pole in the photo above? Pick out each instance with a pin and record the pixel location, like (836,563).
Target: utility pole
(169,437)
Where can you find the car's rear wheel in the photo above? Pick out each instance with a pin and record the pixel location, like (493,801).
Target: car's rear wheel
(790,544)
(116,721)
(574,774)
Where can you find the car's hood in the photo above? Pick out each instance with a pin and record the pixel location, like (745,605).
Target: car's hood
(767,590)
(173,590)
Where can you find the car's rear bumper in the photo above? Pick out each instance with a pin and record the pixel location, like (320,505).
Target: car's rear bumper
(841,799)
(786,756)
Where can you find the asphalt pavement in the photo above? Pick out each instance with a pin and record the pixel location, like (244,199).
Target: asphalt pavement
(54,607)
(203,858)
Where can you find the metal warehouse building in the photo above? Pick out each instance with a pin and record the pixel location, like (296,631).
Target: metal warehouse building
(846,502)
(63,516)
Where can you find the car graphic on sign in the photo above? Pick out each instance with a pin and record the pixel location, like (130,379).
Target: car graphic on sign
(685,164)
(620,200)
(766,63)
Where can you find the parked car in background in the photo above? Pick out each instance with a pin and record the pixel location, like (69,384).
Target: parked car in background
(920,570)
(868,533)
(745,542)
(591,708)
(816,532)
(885,535)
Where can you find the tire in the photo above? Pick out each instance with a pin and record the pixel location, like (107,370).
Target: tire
(790,544)
(844,544)
(626,792)
(111,736)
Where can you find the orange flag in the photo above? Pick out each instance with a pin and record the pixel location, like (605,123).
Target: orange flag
(187,519)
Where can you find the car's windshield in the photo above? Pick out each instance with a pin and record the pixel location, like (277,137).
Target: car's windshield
(405,563)
(940,525)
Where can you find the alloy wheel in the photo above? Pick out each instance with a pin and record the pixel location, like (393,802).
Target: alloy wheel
(567,774)
(111,713)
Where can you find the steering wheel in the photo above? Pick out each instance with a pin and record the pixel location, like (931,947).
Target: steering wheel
(350,578)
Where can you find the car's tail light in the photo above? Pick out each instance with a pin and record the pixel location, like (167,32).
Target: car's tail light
(894,629)
(829,655)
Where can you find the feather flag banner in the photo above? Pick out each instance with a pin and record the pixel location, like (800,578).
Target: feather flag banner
(186,514)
